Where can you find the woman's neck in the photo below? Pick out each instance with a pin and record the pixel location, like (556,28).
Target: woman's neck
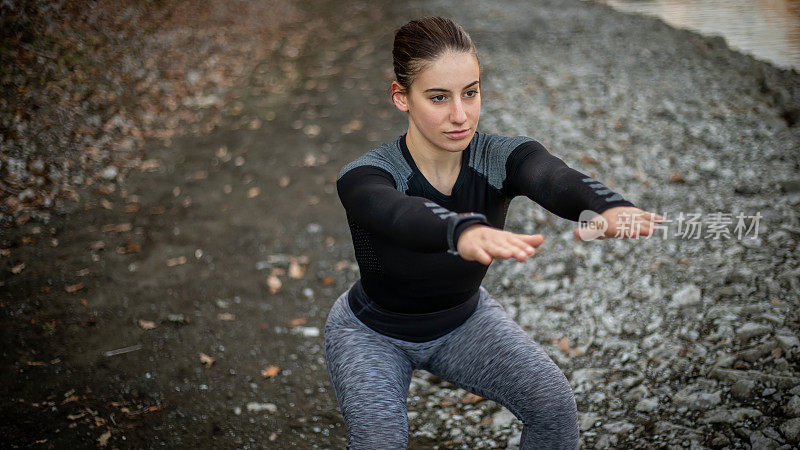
(429,159)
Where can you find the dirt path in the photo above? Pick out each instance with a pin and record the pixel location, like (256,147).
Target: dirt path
(182,260)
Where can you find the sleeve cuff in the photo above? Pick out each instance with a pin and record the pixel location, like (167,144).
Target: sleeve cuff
(457,224)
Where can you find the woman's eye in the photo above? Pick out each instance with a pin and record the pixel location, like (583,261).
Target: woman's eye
(438,98)
(471,93)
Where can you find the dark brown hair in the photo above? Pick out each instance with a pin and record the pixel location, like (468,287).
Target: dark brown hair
(421,41)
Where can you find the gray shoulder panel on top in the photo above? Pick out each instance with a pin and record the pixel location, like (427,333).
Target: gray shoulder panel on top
(388,157)
(489,155)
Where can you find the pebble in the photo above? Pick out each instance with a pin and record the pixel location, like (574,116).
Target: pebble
(110,172)
(688,295)
(792,407)
(751,330)
(743,389)
(647,404)
(257,407)
(791,429)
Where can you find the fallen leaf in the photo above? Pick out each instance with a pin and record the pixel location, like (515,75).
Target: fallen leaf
(106,204)
(73,287)
(27,240)
(82,272)
(327,280)
(97,245)
(150,165)
(18,268)
(270,371)
(253,192)
(676,177)
(206,360)
(147,324)
(283,181)
(117,228)
(176,261)
(563,345)
(588,160)
(777,352)
(296,270)
(102,441)
(471,398)
(297,321)
(274,284)
(341,265)
(226,316)
(131,207)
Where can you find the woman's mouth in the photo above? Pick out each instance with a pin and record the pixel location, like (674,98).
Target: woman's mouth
(459,134)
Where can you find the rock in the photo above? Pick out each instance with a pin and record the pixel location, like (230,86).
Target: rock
(25,195)
(725,360)
(502,419)
(696,400)
(730,416)
(647,404)
(619,427)
(751,330)
(720,440)
(582,376)
(513,440)
(606,441)
(791,429)
(588,420)
(787,341)
(743,389)
(761,442)
(792,407)
(110,172)
(780,381)
(688,295)
(759,351)
(257,407)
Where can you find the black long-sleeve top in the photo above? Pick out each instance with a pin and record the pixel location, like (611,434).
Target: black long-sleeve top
(411,287)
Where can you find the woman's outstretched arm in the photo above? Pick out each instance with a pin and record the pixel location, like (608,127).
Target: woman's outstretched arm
(568,193)
(370,198)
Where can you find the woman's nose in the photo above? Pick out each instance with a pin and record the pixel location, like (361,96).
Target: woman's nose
(457,114)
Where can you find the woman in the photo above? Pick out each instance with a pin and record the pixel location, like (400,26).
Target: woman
(426,213)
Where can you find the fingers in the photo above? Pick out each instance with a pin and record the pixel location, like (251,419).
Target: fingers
(511,245)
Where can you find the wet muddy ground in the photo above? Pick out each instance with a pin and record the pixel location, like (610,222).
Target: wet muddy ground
(231,246)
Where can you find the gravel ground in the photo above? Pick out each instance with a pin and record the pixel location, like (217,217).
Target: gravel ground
(688,338)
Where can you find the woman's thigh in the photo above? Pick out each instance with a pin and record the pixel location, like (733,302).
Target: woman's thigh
(370,378)
(491,356)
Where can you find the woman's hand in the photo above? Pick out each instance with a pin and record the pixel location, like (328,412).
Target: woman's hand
(619,222)
(484,244)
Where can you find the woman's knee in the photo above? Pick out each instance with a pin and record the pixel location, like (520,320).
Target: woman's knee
(548,395)
(376,428)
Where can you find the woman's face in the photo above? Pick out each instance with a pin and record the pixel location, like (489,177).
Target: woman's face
(444,102)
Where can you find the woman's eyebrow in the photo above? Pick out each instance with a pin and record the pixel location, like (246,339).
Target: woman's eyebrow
(448,90)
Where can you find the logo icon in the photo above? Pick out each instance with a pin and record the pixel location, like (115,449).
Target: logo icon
(592,225)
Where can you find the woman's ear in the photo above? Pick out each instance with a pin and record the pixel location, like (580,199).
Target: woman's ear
(399,96)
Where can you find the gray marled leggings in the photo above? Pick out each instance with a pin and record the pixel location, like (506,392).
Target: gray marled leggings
(489,355)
